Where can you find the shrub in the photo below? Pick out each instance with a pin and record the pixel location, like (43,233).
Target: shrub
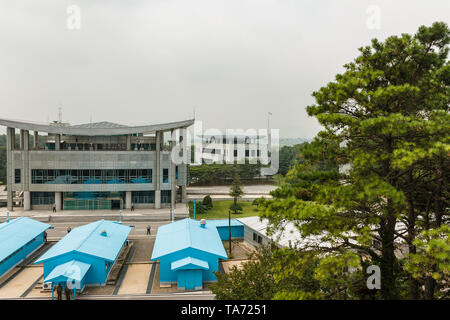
(235,208)
(207,202)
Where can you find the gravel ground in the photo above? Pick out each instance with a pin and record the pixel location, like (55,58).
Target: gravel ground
(144,249)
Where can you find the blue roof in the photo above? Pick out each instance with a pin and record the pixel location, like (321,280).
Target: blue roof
(224,222)
(189,263)
(17,233)
(187,233)
(88,239)
(74,270)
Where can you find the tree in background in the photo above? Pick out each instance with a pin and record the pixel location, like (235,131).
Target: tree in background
(2,165)
(213,174)
(289,155)
(236,192)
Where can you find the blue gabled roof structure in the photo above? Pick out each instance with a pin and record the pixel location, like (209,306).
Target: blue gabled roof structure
(187,233)
(74,270)
(17,233)
(89,239)
(189,263)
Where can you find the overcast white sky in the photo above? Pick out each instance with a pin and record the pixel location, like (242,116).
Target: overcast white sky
(148,61)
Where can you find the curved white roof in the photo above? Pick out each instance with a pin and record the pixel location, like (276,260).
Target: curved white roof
(94,129)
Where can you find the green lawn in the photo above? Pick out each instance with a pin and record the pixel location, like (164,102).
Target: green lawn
(220,210)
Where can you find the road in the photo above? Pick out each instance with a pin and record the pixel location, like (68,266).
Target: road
(139,229)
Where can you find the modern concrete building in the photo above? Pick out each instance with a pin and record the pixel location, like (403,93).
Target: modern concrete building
(249,147)
(94,166)
(86,255)
(19,238)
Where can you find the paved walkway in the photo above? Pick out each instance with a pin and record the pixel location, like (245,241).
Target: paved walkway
(136,279)
(181,211)
(24,279)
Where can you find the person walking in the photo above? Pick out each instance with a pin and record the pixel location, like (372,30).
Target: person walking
(54,207)
(148,230)
(67,292)
(132,206)
(59,291)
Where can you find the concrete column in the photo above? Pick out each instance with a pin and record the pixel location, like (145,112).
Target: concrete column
(10,132)
(157,174)
(183,193)
(128,200)
(35,142)
(26,201)
(157,199)
(57,142)
(58,200)
(172,176)
(21,141)
(129,142)
(26,161)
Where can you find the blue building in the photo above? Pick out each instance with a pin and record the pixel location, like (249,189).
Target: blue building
(189,253)
(237,228)
(18,239)
(85,256)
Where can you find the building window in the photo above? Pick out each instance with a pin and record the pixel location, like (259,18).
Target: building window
(143,196)
(259,239)
(38,198)
(165,175)
(255,237)
(165,196)
(17,176)
(377,244)
(76,176)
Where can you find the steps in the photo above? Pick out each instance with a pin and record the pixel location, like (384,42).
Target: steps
(117,268)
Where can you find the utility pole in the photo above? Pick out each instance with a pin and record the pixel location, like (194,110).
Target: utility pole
(229,230)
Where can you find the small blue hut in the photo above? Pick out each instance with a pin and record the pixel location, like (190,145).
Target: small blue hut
(19,238)
(85,256)
(189,253)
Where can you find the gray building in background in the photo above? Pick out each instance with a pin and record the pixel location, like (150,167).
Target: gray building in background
(94,166)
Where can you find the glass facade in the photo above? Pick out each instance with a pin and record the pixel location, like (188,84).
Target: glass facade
(38,198)
(165,196)
(17,177)
(143,197)
(165,175)
(83,176)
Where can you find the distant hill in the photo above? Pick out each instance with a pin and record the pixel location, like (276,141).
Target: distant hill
(292,141)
